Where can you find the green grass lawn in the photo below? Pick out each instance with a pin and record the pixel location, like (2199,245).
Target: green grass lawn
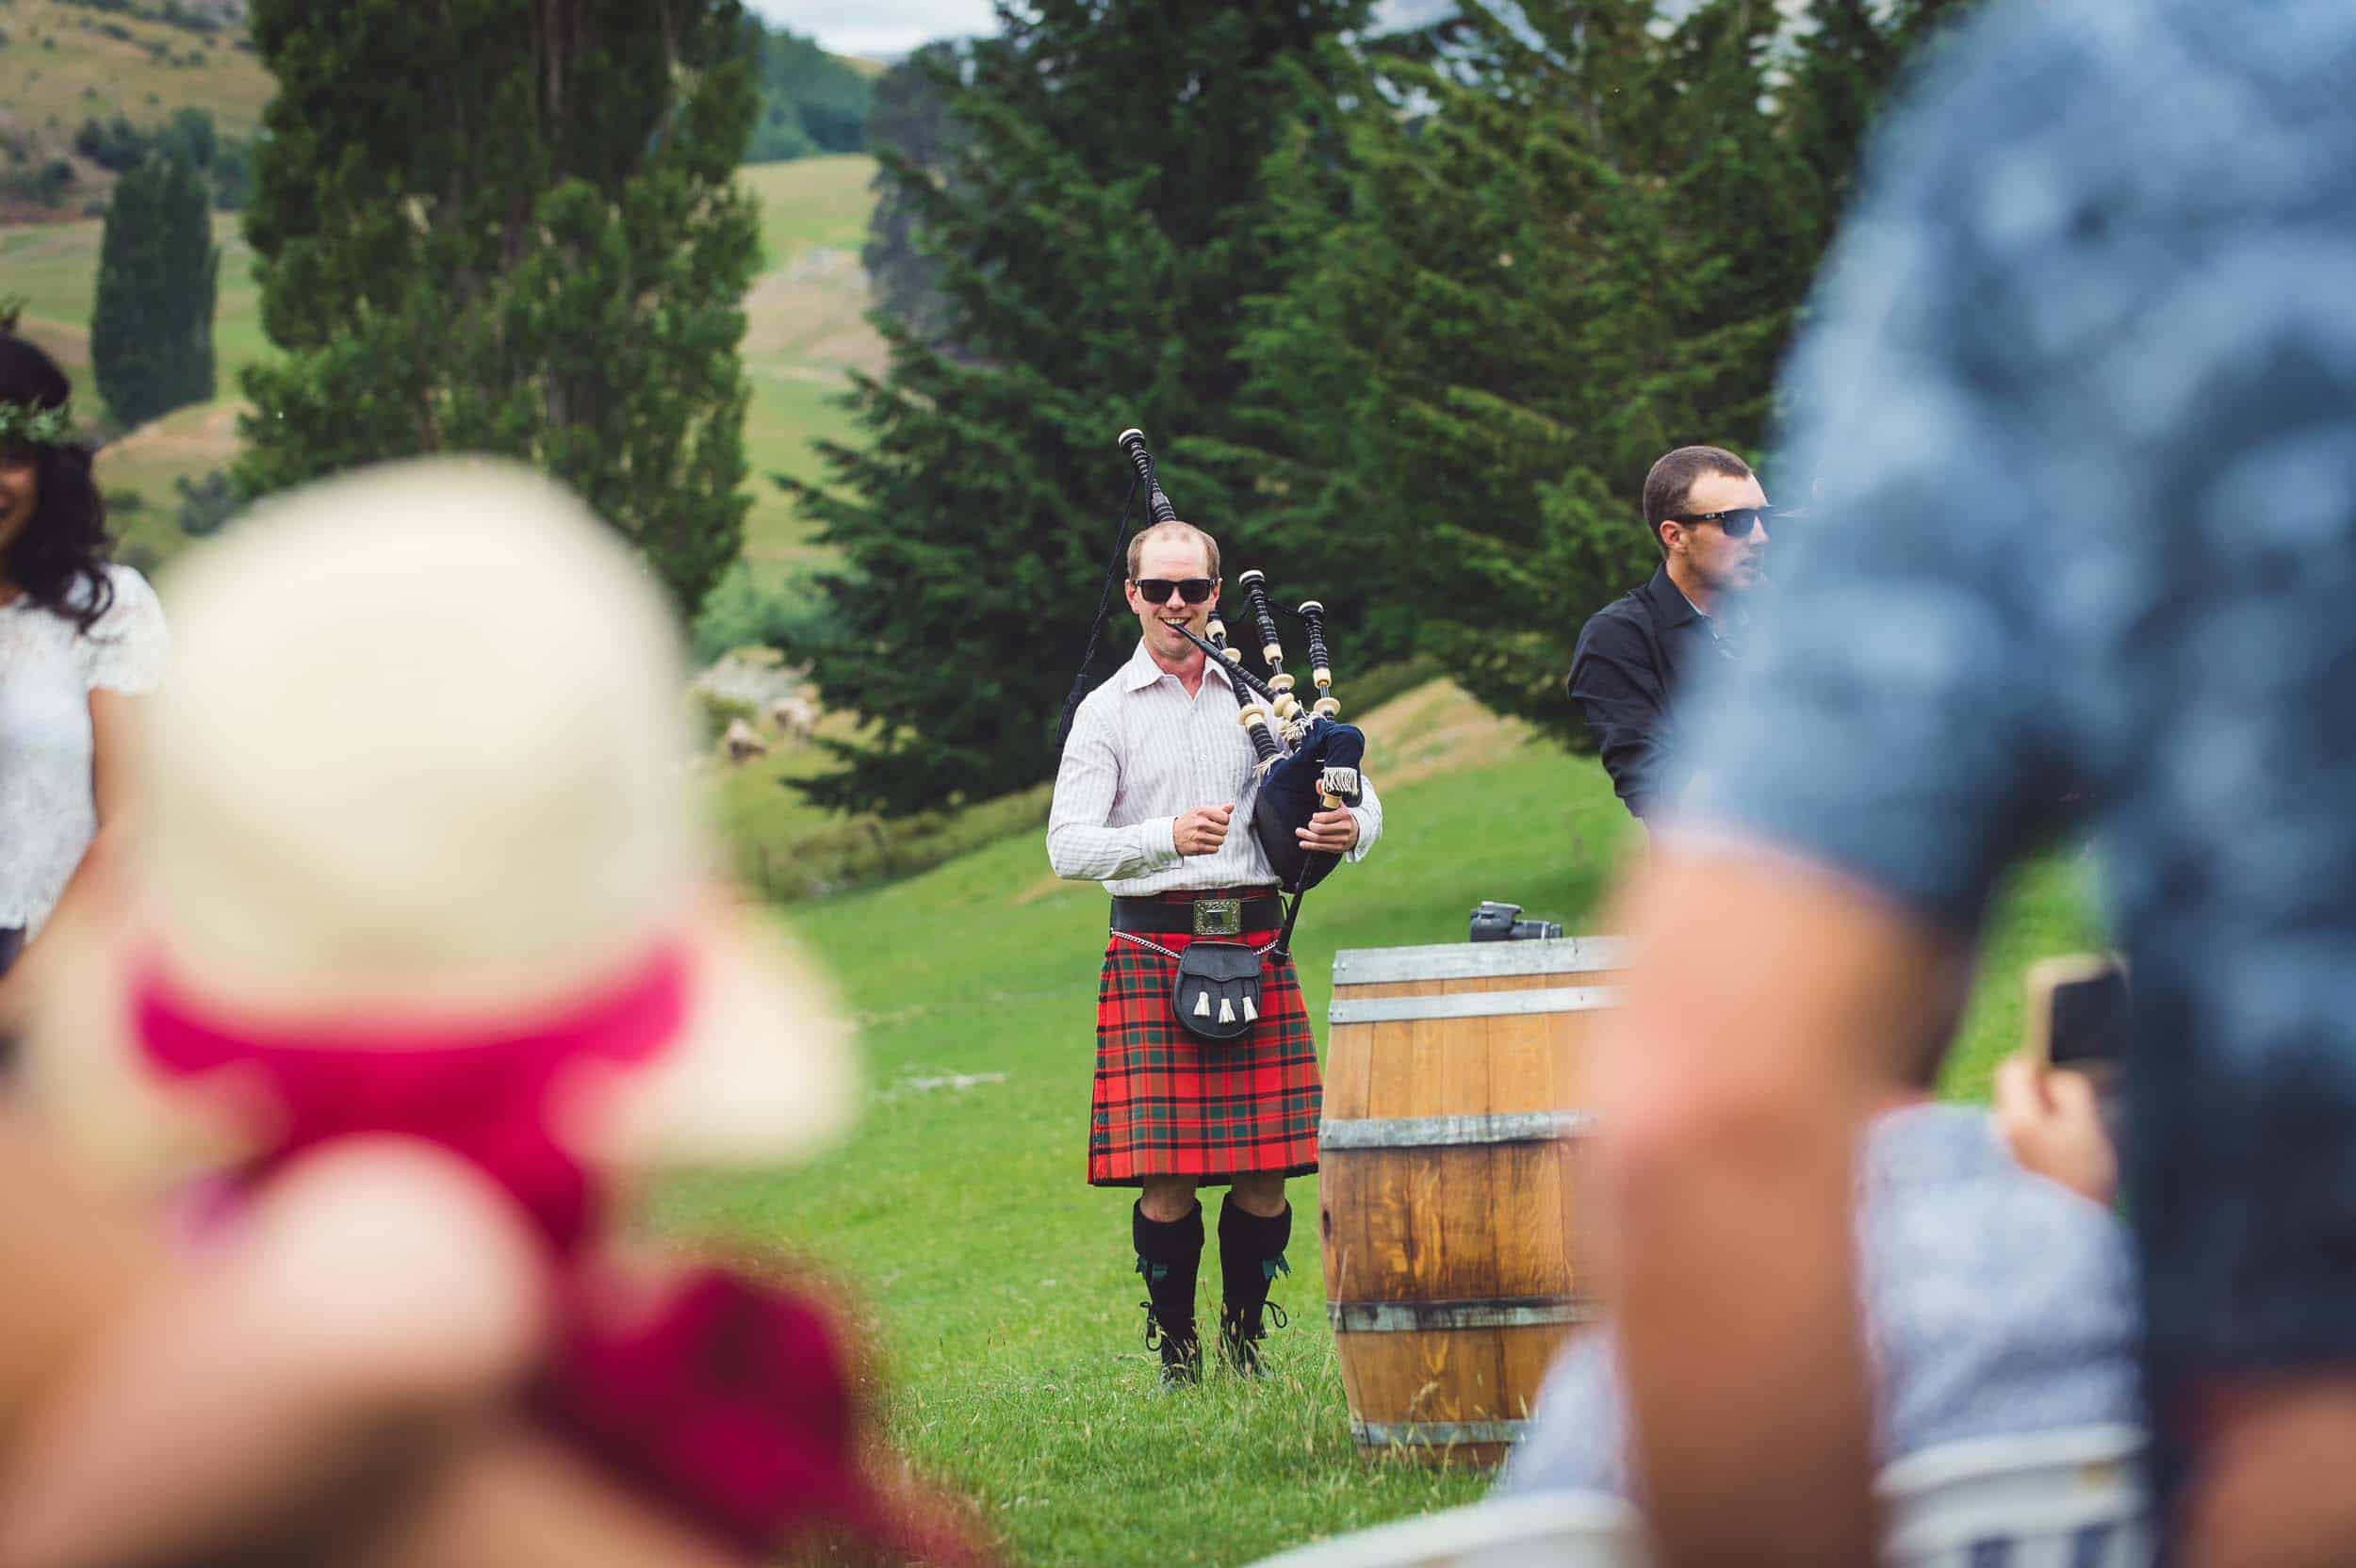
(1002,1285)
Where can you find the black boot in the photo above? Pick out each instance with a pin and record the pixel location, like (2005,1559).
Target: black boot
(1250,1255)
(1169,1254)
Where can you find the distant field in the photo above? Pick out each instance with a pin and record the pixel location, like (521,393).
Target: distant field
(805,331)
(54,266)
(60,66)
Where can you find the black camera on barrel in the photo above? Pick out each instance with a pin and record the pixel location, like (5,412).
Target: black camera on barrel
(1503,922)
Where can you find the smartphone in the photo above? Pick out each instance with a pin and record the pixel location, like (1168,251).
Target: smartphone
(2078,1012)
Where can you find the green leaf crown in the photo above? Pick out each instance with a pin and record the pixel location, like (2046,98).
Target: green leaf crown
(21,424)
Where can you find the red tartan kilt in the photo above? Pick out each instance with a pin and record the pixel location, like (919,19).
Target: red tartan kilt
(1170,1105)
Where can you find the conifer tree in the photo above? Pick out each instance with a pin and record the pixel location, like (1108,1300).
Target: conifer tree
(1587,244)
(916,139)
(517,231)
(151,322)
(1098,228)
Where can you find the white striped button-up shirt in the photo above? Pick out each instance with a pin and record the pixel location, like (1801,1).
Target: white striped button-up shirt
(1141,753)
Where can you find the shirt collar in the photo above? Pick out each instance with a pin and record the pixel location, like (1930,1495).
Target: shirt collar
(1141,672)
(1669,600)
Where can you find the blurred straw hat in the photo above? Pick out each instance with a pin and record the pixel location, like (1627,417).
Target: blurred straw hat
(421,757)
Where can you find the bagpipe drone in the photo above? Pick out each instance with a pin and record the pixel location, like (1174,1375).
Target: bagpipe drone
(1308,759)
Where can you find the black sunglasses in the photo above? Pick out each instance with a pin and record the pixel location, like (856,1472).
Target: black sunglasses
(1738,522)
(1194,590)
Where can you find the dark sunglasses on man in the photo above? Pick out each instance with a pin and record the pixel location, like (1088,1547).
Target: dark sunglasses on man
(1738,521)
(1156,590)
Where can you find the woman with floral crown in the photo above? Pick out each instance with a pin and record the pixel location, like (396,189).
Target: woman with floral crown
(81,642)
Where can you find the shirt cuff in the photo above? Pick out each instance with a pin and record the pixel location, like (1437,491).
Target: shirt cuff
(1366,835)
(1160,836)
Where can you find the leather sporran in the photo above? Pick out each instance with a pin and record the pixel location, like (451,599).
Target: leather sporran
(1216,994)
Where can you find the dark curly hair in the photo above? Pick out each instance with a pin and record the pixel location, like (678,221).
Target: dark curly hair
(60,561)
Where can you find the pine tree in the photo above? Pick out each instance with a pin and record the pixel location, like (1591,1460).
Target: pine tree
(1097,229)
(517,231)
(916,139)
(151,322)
(1587,243)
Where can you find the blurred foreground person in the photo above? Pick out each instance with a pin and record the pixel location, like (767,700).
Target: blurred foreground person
(2087,360)
(81,643)
(417,959)
(1705,512)
(1998,1294)
(487,1493)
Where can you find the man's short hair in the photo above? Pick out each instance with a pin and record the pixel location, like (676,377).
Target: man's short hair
(1672,481)
(1172,530)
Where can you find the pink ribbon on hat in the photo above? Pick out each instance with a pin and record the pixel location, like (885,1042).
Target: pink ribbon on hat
(487,1090)
(626,1020)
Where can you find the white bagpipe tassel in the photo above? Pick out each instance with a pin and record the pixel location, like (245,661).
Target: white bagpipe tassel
(1226,1010)
(1251,1014)
(1203,1004)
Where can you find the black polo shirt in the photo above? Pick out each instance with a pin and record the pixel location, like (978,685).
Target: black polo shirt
(1633,656)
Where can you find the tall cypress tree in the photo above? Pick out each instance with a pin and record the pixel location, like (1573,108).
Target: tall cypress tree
(1098,230)
(915,137)
(151,322)
(516,230)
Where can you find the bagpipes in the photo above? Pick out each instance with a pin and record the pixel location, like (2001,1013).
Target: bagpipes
(1308,759)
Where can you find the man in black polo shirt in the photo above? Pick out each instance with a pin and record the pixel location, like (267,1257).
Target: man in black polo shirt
(1702,506)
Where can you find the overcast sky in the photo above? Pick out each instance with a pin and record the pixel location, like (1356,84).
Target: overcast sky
(886,29)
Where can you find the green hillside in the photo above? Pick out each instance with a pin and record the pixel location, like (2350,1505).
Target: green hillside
(1001,1284)
(64,62)
(804,332)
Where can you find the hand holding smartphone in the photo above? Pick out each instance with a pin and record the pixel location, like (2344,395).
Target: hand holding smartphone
(2078,1014)
(2050,1096)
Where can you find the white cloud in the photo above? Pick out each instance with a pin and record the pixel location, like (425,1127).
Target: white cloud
(887,29)
(880,29)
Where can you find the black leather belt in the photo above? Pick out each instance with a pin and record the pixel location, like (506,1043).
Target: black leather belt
(1205,917)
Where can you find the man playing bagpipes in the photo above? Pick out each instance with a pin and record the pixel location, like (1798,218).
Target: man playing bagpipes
(1206,1073)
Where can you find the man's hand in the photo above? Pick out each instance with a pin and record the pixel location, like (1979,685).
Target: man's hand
(1202,830)
(2053,1126)
(1331,832)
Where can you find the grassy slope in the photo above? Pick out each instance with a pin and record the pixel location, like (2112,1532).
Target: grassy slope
(58,68)
(804,332)
(1002,1284)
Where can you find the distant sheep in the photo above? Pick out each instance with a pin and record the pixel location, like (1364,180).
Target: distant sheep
(794,717)
(743,742)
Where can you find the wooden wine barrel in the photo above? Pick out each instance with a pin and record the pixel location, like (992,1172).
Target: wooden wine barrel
(1453,1088)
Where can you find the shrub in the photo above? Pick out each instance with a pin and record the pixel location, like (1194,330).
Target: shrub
(741,612)
(206,503)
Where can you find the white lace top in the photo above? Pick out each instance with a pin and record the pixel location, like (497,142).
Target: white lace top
(47,671)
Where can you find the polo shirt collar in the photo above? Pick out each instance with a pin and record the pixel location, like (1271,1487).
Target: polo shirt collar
(1669,601)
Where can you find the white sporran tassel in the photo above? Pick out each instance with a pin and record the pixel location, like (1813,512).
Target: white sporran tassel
(1203,1004)
(1226,1011)
(1251,1014)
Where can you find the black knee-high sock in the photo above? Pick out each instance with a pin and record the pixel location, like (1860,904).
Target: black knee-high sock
(1250,1254)
(1169,1254)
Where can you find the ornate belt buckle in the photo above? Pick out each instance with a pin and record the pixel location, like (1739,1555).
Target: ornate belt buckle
(1218,916)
